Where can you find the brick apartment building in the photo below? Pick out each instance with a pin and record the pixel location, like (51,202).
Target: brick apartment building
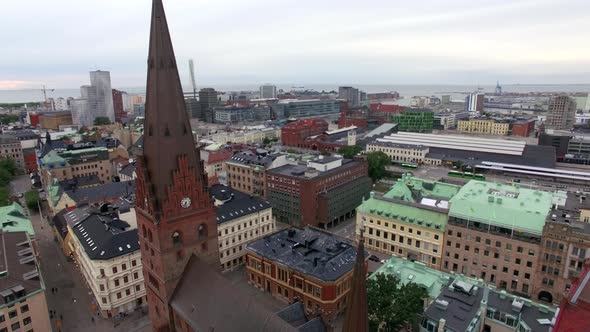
(295,133)
(523,128)
(367,117)
(322,193)
(494,233)
(118,105)
(307,265)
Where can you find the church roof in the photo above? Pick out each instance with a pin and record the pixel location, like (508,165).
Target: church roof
(357,317)
(208,301)
(167,133)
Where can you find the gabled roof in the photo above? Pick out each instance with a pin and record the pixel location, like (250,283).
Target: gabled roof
(13,219)
(128,169)
(207,301)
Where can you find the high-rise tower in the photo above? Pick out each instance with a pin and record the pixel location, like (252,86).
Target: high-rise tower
(175,214)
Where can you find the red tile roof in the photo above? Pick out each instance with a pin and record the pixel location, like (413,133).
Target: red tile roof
(574,312)
(219,156)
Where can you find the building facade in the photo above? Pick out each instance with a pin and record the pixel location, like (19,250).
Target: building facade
(350,95)
(414,120)
(523,128)
(246,171)
(322,193)
(240,219)
(306,108)
(96,100)
(11,148)
(561,113)
(109,261)
(409,221)
(68,165)
(53,120)
(401,153)
(494,233)
(295,133)
(484,127)
(288,264)
(474,102)
(268,91)
(118,105)
(208,99)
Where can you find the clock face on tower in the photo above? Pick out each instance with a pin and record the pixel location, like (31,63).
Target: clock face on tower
(185,203)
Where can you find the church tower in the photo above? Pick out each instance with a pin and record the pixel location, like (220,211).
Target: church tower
(175,214)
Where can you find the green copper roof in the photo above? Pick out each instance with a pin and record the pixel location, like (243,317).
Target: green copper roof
(52,158)
(54,191)
(409,188)
(502,205)
(407,271)
(13,219)
(404,212)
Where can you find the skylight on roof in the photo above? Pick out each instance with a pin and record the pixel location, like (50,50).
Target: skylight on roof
(120,249)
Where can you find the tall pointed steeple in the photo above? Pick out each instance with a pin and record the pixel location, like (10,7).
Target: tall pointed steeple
(167,130)
(357,319)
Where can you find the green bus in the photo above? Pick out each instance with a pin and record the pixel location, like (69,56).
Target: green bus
(466,175)
(409,166)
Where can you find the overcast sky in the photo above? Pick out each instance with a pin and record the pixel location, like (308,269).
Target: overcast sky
(282,41)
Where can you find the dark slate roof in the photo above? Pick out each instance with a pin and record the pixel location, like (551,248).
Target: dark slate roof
(108,142)
(123,204)
(24,134)
(236,204)
(52,145)
(60,223)
(128,169)
(295,315)
(139,143)
(103,234)
(460,310)
(313,252)
(208,301)
(533,155)
(250,158)
(324,159)
(106,191)
(80,182)
(529,314)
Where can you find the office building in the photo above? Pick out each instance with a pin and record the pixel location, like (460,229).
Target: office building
(307,265)
(233,114)
(323,192)
(118,105)
(483,127)
(523,128)
(106,250)
(268,91)
(246,171)
(471,305)
(249,135)
(367,117)
(193,107)
(71,164)
(306,108)
(23,303)
(474,102)
(561,113)
(241,219)
(61,104)
(494,233)
(11,148)
(350,95)
(96,100)
(409,221)
(208,99)
(53,120)
(414,120)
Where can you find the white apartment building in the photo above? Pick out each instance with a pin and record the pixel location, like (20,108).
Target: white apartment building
(241,218)
(108,255)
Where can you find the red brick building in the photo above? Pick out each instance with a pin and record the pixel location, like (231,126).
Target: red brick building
(323,193)
(118,105)
(295,133)
(307,265)
(523,128)
(367,117)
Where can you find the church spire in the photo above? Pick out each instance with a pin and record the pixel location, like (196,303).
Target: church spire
(167,130)
(357,319)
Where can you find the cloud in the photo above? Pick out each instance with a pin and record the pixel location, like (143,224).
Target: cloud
(326,41)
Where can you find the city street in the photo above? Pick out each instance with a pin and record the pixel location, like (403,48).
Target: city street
(72,302)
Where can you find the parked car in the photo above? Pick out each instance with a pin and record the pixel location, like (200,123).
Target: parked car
(374,258)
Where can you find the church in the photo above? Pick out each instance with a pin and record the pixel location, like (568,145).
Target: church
(178,227)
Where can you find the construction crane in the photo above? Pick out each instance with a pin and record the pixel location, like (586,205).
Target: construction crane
(45,92)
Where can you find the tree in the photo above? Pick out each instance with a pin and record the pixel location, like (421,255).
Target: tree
(101,121)
(4,196)
(377,162)
(32,200)
(5,177)
(350,151)
(9,165)
(392,305)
